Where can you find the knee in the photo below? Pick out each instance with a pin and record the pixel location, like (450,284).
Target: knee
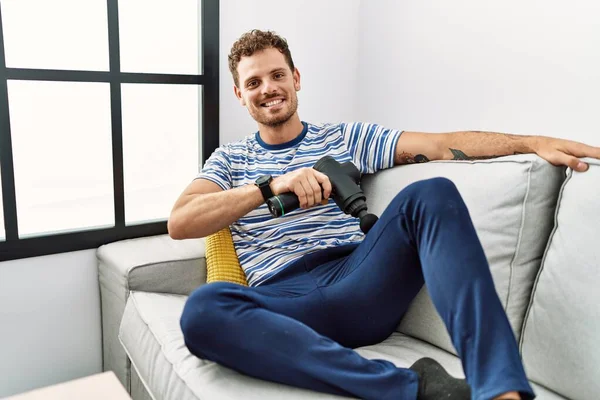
(435,194)
(434,187)
(203,312)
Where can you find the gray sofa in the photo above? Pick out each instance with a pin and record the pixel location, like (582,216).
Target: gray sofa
(538,224)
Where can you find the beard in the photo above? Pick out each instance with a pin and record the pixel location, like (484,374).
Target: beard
(262,116)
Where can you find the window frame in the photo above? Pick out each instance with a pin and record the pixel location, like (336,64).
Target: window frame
(14,247)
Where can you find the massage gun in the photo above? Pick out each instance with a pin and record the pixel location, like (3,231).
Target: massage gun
(346,193)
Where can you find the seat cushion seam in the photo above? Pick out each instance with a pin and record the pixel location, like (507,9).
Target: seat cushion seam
(145,321)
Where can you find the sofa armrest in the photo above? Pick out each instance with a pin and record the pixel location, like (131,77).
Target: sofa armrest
(152,264)
(149,264)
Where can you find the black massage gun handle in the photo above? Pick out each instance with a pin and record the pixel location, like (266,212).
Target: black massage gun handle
(344,178)
(282,204)
(285,203)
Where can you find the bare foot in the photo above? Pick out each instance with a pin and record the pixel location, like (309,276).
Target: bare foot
(509,396)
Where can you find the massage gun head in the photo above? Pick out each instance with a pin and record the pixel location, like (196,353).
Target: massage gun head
(367,221)
(348,195)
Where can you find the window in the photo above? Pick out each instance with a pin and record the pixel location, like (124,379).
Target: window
(107,108)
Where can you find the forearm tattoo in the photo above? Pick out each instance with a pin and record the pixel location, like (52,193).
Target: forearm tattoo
(408,158)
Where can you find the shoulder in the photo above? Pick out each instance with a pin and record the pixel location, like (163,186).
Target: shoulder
(348,131)
(238,147)
(357,125)
(242,143)
(319,129)
(364,129)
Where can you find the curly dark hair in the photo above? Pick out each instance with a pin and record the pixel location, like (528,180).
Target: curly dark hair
(253,41)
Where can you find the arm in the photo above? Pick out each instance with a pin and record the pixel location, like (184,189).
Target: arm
(204,208)
(475,145)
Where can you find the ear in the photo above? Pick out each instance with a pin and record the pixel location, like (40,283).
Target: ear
(238,94)
(296,76)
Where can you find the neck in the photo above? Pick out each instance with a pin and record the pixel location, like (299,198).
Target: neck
(283,133)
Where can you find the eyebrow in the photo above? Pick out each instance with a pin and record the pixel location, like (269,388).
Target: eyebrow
(271,72)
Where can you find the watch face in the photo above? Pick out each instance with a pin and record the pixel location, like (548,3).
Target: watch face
(263,179)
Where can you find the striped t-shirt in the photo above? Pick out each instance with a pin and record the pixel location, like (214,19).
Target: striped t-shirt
(265,245)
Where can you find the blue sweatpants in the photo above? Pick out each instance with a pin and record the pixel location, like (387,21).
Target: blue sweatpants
(300,327)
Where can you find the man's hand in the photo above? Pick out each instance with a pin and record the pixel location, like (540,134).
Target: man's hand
(564,152)
(311,186)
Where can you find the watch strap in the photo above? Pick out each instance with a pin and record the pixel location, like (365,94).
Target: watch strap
(265,187)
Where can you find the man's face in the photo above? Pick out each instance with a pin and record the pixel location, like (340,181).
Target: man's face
(267,87)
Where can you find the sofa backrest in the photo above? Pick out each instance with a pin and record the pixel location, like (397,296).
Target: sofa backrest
(562,328)
(511,201)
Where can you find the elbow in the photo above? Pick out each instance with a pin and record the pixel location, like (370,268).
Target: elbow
(180,228)
(174,229)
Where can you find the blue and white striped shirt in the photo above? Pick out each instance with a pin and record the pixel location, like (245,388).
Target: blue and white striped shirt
(265,245)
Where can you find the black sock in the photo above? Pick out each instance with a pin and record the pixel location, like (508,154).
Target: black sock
(435,383)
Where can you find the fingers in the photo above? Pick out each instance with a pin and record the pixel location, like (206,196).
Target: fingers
(301,191)
(309,192)
(325,184)
(316,190)
(578,165)
(570,161)
(584,150)
(307,187)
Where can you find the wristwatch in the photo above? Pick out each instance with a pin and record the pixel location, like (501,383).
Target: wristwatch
(263,182)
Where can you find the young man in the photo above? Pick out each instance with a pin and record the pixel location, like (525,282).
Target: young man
(319,287)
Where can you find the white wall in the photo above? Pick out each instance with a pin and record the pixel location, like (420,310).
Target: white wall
(323,38)
(530,67)
(49,320)
(524,67)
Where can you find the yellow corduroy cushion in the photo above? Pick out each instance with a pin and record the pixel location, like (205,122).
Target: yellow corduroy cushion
(222,263)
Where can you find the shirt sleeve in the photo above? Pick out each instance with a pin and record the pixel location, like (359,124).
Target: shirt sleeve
(371,146)
(217,168)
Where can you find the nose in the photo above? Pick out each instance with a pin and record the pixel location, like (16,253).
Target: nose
(269,87)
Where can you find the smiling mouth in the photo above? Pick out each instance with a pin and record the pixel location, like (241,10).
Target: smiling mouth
(272,103)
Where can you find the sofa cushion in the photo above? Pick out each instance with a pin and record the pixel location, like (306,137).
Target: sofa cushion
(511,201)
(152,338)
(560,337)
(156,263)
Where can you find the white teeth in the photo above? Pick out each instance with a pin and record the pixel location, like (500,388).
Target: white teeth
(272,103)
